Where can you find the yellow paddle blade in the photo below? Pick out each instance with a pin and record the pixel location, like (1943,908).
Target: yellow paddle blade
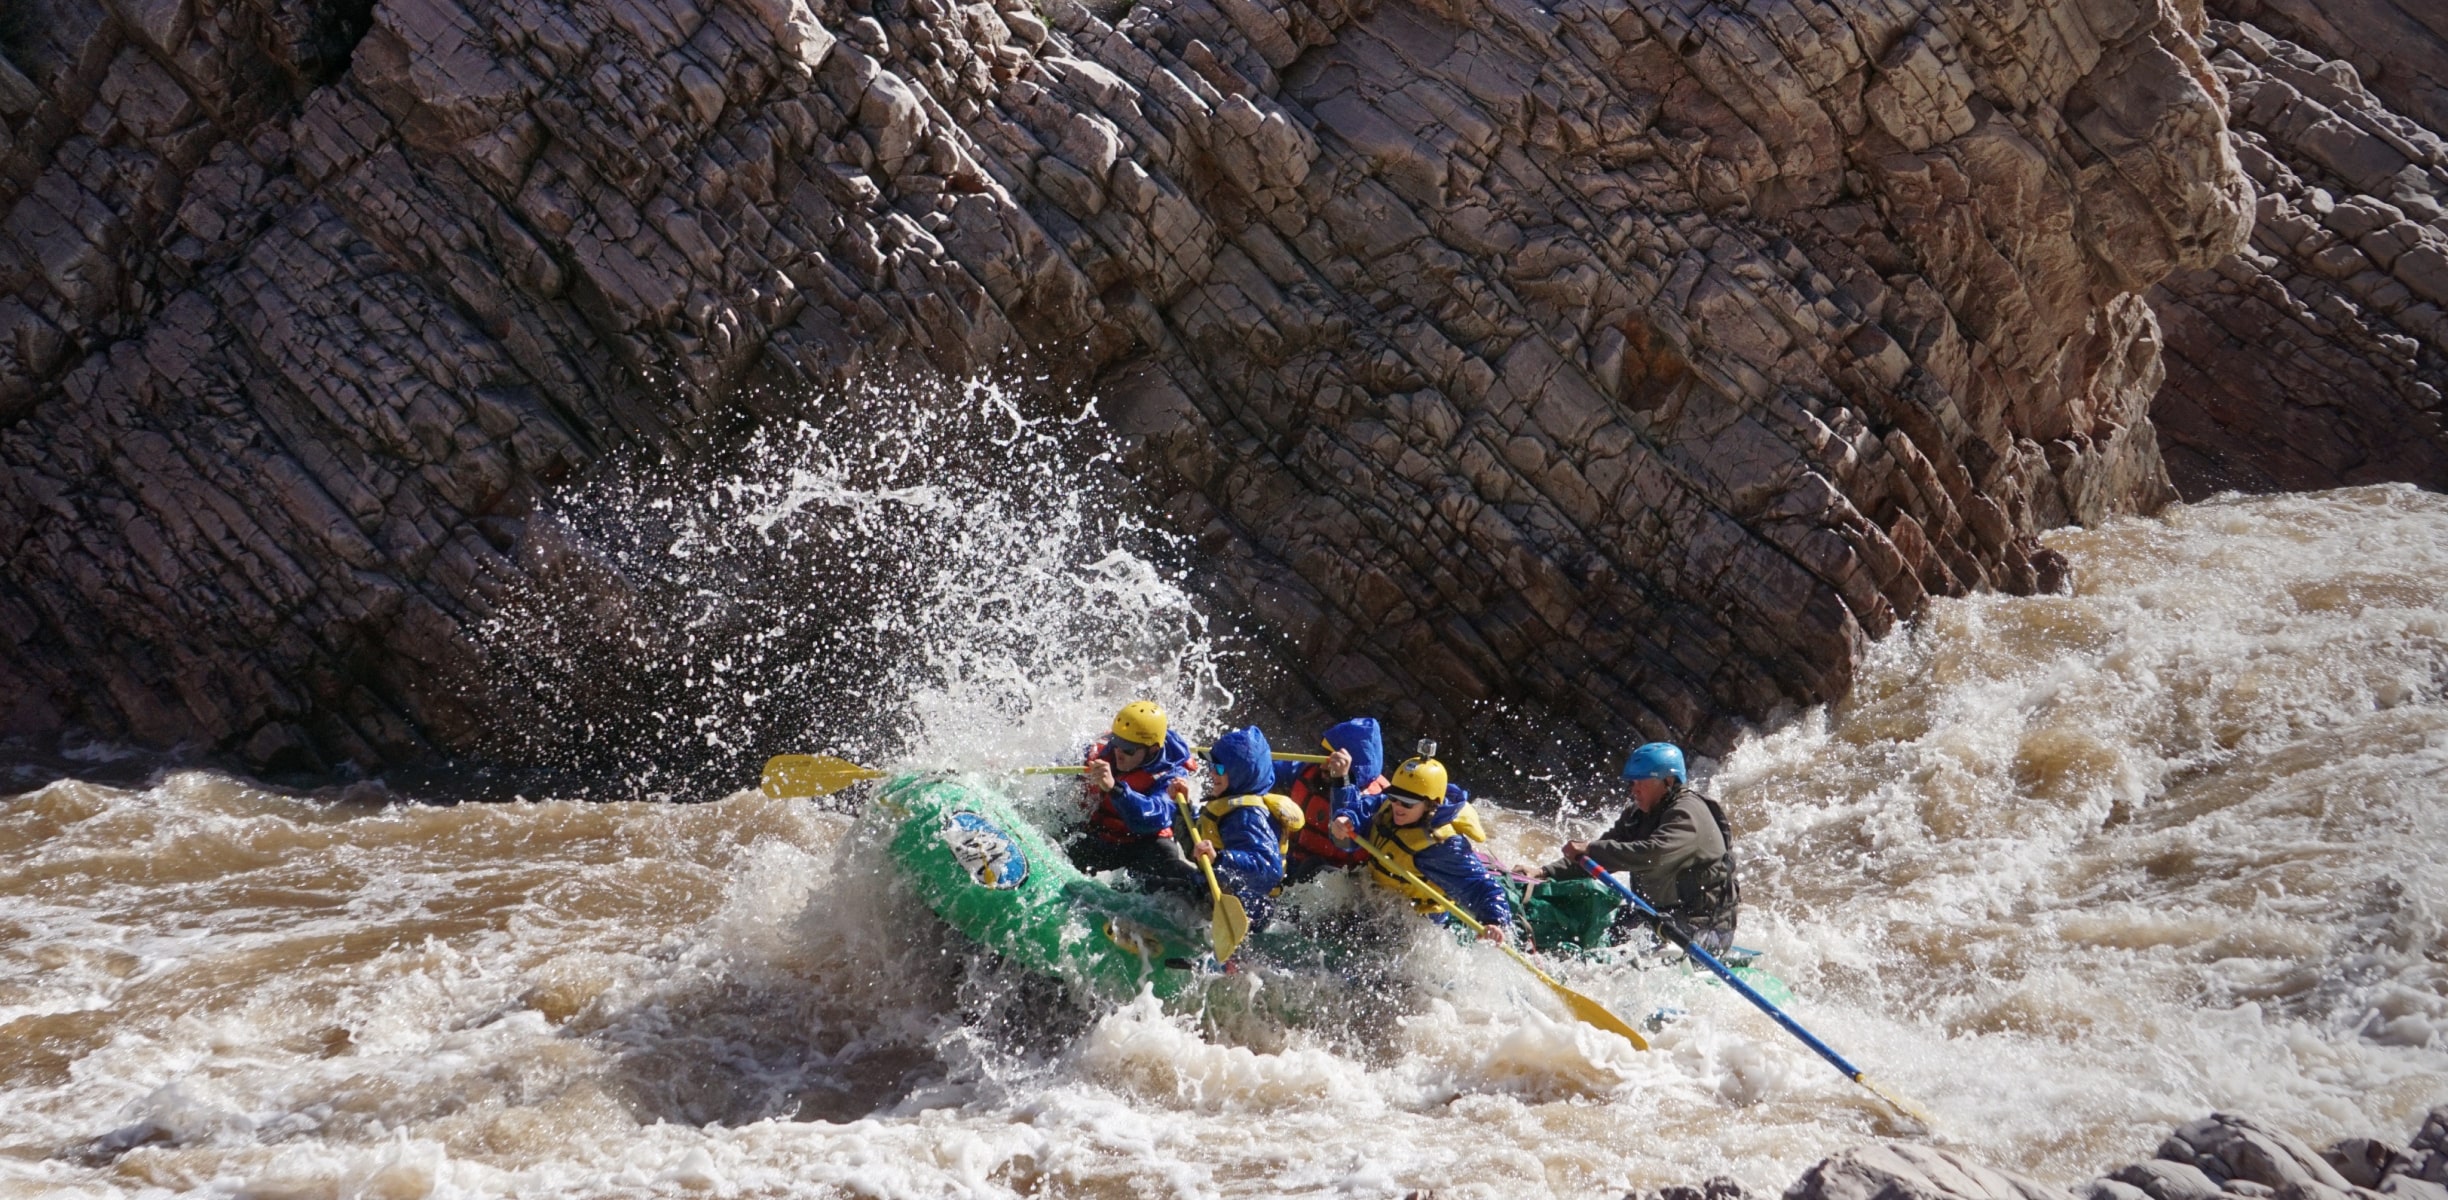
(1899,1103)
(1590,1011)
(788,775)
(1230,925)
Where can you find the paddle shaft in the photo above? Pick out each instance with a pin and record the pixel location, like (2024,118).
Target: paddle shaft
(1675,933)
(821,774)
(1229,923)
(1574,1000)
(1279,755)
(1189,826)
(1435,896)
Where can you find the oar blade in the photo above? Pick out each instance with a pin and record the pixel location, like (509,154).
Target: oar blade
(797,775)
(1231,925)
(1898,1103)
(1589,1011)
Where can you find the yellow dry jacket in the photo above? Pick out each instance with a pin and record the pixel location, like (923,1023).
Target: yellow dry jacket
(1401,844)
(1286,812)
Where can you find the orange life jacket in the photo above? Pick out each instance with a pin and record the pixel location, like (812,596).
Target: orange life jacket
(1316,839)
(1105,823)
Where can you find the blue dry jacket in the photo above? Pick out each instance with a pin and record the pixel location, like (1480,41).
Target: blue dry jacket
(1249,847)
(1147,811)
(1452,864)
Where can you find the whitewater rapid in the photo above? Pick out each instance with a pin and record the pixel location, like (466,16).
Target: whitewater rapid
(2068,870)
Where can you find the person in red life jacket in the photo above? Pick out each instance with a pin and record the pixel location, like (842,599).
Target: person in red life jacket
(1129,778)
(1356,764)
(1244,826)
(1414,824)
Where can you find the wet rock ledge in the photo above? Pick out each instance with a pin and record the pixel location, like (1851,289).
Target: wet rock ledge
(1629,363)
(2220,1157)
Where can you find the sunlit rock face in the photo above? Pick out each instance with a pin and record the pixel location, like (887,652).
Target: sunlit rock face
(2317,355)
(1624,365)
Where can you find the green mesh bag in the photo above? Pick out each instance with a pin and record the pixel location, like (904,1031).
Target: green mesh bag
(1564,916)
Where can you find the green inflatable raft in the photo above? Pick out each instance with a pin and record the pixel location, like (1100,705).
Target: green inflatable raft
(991,875)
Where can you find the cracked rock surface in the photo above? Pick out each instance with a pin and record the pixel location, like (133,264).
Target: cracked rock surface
(2223,1156)
(1627,362)
(2316,356)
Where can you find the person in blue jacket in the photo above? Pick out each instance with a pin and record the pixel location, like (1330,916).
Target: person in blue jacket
(1356,764)
(1244,826)
(1128,781)
(1412,823)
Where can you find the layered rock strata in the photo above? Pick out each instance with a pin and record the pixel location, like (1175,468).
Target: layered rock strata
(2398,50)
(2317,356)
(1626,362)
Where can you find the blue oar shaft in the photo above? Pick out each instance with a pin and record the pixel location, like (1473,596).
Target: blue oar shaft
(1723,971)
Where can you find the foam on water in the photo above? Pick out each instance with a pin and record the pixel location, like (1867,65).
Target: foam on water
(2068,870)
(2175,836)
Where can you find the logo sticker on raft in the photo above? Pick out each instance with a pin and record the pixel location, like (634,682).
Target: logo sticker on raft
(988,854)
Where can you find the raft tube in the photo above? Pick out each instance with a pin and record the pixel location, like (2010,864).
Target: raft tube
(992,876)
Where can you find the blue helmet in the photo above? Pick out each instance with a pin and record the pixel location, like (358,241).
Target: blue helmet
(1656,760)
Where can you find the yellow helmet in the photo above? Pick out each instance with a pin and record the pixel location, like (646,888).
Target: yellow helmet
(1142,722)
(1422,777)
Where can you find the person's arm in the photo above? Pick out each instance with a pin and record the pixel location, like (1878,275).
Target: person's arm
(1358,806)
(1456,870)
(1249,851)
(1096,775)
(1674,842)
(1146,813)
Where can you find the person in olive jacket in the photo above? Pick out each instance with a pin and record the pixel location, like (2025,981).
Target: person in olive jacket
(1675,845)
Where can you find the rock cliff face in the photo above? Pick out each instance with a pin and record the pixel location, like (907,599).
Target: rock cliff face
(1629,360)
(2317,355)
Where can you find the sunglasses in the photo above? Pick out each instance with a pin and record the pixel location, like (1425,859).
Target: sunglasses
(1407,801)
(1123,745)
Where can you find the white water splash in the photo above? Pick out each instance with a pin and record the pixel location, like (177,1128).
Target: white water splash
(962,585)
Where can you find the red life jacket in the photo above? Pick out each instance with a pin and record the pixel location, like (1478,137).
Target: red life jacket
(1105,823)
(1316,837)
